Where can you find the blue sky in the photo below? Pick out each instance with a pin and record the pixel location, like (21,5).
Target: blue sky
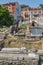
(32,3)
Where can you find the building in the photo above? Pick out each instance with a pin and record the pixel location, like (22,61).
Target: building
(36,15)
(24,13)
(36,18)
(14,9)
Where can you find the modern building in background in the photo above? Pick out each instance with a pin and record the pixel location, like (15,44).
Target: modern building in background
(14,9)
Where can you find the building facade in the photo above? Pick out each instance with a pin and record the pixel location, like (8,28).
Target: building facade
(33,14)
(36,15)
(36,18)
(14,9)
(25,13)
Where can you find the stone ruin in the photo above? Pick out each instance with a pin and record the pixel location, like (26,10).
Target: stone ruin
(18,58)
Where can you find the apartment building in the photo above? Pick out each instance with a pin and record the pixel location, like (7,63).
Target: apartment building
(32,13)
(36,18)
(14,9)
(36,15)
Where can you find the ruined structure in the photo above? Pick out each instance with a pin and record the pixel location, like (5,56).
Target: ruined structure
(18,57)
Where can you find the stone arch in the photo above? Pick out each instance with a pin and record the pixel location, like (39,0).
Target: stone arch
(34,22)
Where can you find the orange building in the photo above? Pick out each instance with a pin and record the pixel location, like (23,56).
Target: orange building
(11,7)
(14,9)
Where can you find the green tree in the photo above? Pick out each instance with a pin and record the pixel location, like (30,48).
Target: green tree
(24,6)
(41,5)
(5,18)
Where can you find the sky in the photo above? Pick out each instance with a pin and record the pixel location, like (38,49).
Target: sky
(31,3)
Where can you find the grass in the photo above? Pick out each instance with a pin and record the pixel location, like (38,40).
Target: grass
(2,30)
(23,26)
(14,42)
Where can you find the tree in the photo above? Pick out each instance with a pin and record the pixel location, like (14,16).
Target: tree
(41,5)
(24,6)
(5,18)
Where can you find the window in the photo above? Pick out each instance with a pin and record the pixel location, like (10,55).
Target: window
(26,15)
(39,11)
(35,11)
(36,15)
(13,4)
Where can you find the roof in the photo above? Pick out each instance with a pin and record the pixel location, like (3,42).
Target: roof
(10,3)
(23,9)
(36,9)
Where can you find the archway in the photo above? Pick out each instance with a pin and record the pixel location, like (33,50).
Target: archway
(34,22)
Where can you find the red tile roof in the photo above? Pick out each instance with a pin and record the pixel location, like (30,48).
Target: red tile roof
(36,9)
(10,3)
